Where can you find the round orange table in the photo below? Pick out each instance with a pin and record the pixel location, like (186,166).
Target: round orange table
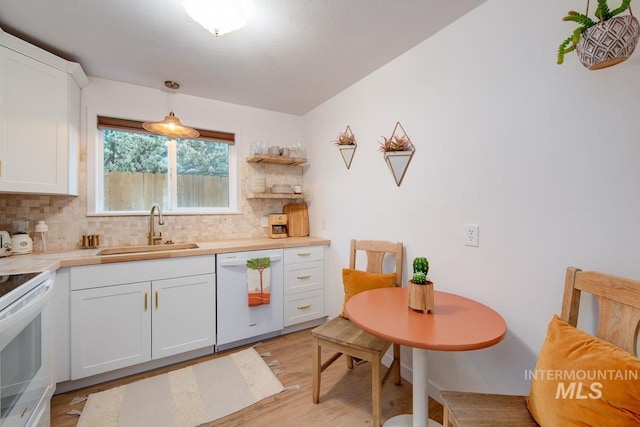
(456,324)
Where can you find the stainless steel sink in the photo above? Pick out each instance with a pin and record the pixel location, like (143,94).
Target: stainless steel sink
(118,250)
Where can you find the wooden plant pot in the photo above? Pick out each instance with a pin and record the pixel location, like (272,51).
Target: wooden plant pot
(421,296)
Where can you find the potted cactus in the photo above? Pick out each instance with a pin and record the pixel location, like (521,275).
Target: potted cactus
(420,289)
(346,143)
(604,41)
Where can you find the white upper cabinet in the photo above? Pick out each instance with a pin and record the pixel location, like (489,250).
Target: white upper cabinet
(39,119)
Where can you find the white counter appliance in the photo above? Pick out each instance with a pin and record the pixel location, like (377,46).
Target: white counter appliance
(26,384)
(236,319)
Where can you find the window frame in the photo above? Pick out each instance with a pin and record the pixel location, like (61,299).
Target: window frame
(95,171)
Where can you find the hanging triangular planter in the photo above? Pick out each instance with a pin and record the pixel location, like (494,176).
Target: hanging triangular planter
(398,152)
(398,162)
(347,152)
(347,145)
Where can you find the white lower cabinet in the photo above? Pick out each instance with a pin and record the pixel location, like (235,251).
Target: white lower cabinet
(115,325)
(183,315)
(110,328)
(303,284)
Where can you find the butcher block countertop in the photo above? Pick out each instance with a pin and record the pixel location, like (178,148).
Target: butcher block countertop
(17,264)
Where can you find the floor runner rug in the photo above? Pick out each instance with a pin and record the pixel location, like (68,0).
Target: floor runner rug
(186,397)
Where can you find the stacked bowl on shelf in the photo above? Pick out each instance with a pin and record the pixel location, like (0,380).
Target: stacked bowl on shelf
(258,185)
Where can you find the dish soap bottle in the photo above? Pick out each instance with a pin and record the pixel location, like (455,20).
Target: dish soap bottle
(41,240)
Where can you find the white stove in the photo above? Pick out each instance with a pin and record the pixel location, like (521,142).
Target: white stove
(26,384)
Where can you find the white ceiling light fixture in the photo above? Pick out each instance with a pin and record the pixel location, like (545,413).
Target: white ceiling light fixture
(171,126)
(217,16)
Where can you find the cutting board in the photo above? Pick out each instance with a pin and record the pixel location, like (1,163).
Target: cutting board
(297,219)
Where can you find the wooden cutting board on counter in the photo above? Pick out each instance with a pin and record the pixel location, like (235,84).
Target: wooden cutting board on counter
(297,219)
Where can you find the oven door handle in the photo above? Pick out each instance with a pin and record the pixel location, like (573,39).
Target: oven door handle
(26,310)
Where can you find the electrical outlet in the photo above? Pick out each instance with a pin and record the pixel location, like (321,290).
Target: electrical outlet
(471,235)
(264,222)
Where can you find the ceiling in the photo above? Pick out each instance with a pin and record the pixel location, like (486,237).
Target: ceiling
(292,55)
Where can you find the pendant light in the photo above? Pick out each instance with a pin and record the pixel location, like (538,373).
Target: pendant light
(217,16)
(171,126)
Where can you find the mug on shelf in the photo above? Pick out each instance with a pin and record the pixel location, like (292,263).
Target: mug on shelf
(274,150)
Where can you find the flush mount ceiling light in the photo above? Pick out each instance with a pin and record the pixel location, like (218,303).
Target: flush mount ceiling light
(171,126)
(217,16)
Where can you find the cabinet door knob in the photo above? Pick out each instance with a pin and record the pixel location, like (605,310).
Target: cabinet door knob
(145,300)
(157,291)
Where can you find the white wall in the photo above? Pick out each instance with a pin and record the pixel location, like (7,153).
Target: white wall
(543,157)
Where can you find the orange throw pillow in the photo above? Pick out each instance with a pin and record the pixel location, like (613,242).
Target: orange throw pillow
(356,281)
(581,380)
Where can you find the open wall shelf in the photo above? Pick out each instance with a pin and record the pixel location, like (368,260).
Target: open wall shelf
(274,196)
(278,160)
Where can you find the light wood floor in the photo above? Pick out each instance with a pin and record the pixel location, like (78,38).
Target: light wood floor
(345,397)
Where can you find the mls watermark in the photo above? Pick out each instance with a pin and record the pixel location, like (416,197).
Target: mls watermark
(580,383)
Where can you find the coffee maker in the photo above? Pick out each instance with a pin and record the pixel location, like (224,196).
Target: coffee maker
(277,226)
(21,242)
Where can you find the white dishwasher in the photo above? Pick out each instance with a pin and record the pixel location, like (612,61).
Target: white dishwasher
(243,310)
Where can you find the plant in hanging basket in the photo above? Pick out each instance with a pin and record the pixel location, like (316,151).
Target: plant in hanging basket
(605,41)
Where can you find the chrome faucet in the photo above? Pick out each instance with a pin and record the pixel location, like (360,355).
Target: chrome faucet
(152,235)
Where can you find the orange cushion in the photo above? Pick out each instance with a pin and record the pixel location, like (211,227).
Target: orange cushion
(581,380)
(356,281)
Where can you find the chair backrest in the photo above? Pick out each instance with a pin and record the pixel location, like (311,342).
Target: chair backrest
(375,251)
(618,306)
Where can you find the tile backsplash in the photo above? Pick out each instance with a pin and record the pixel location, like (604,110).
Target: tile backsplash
(67,217)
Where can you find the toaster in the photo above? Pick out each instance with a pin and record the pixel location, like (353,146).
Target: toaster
(5,244)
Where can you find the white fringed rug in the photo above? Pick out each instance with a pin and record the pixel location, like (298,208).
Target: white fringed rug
(186,397)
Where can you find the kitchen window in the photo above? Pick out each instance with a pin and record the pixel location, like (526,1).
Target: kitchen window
(135,169)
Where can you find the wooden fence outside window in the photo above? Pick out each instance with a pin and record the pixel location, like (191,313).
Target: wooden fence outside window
(136,191)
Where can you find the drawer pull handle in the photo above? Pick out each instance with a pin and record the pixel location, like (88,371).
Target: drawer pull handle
(157,299)
(304,253)
(304,307)
(253,324)
(146,299)
(304,276)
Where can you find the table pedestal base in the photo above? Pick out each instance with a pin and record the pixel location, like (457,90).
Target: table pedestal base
(420,414)
(406,420)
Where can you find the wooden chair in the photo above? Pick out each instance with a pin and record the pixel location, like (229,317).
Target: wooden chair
(618,323)
(344,337)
